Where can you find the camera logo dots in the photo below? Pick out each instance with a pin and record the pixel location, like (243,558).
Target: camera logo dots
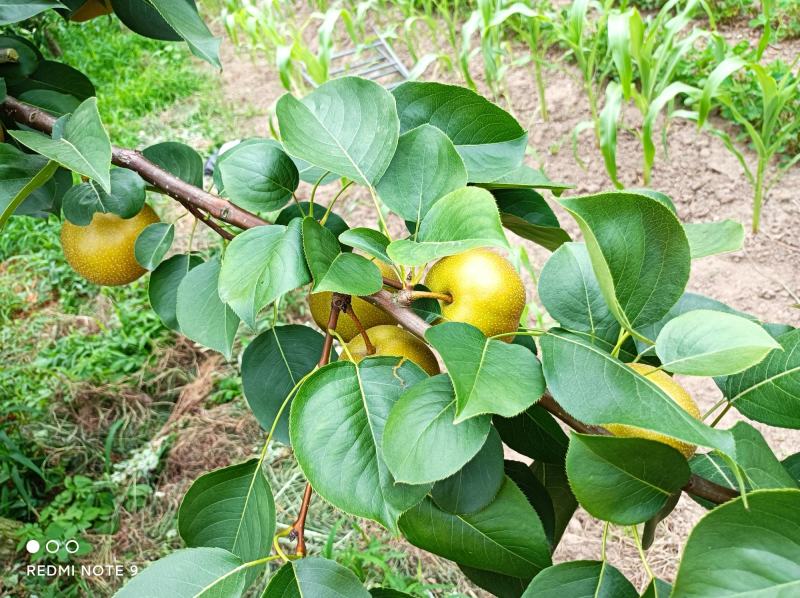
(52,546)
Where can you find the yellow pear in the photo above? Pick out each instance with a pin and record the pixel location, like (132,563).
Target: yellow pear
(486,291)
(91,9)
(393,341)
(677,393)
(102,251)
(368,314)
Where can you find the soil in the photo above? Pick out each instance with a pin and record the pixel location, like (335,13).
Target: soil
(706,183)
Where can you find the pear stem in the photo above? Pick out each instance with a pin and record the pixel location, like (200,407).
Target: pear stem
(446,298)
(361,330)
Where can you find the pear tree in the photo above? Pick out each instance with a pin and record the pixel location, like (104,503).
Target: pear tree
(420,364)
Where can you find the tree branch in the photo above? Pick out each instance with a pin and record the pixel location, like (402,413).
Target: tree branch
(697,486)
(165,181)
(195,199)
(339,303)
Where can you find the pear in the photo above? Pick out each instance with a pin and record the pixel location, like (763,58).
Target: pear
(393,341)
(486,291)
(102,251)
(368,314)
(677,393)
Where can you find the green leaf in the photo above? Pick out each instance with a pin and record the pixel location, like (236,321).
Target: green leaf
(525,177)
(476,484)
(260,265)
(125,199)
(738,551)
(792,465)
(27,59)
(13,11)
(506,537)
(688,302)
(388,593)
(189,573)
(347,126)
(585,579)
(761,467)
(57,77)
(535,434)
(639,253)
(489,375)
(503,586)
(163,287)
(337,430)
(367,240)
(57,104)
(608,124)
(598,389)
(184,19)
(425,168)
(421,424)
(657,589)
(571,294)
(179,159)
(230,508)
(624,480)
(272,364)
(525,213)
(770,391)
(334,270)
(464,219)
(335,224)
(141,17)
(537,495)
(202,316)
(553,477)
(153,243)
(314,577)
(20,175)
(712,238)
(84,146)
(490,141)
(258,175)
(712,343)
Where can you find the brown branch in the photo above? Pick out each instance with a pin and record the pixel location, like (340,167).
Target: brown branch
(163,180)
(697,485)
(206,219)
(395,305)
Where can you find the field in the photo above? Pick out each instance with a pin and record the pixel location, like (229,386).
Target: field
(107,416)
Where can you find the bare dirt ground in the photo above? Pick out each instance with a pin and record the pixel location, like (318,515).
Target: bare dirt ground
(705,182)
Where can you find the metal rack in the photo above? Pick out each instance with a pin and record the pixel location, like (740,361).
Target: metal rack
(376,61)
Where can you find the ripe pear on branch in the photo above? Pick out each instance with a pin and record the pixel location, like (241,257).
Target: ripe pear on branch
(103,251)
(485,289)
(367,314)
(391,340)
(677,393)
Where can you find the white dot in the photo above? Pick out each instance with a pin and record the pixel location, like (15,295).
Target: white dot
(32,546)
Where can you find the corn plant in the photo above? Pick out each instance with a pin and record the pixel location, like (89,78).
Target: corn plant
(645,55)
(778,125)
(583,38)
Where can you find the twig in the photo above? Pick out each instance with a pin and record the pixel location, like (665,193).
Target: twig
(206,219)
(339,302)
(165,181)
(361,330)
(388,302)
